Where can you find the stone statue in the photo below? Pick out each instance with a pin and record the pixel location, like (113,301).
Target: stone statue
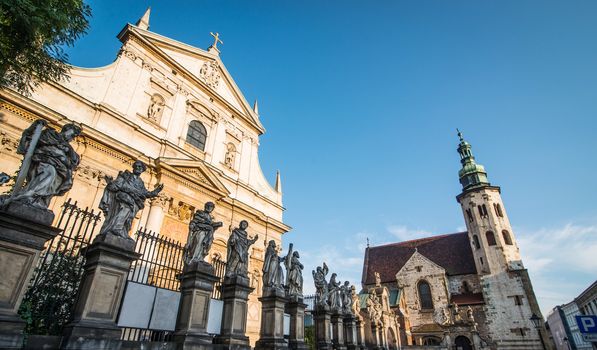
(345,292)
(456,313)
(469,315)
(272,271)
(335,299)
(321,285)
(156,107)
(356,302)
(377,279)
(372,309)
(294,273)
(123,198)
(48,164)
(4,178)
(238,251)
(201,234)
(230,155)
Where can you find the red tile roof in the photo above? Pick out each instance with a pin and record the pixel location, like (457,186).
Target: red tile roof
(451,251)
(468,299)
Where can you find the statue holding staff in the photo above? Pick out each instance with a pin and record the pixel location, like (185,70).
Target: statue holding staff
(294,273)
(335,298)
(123,198)
(48,164)
(201,234)
(321,285)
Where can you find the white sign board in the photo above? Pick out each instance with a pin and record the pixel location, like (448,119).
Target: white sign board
(136,306)
(286,324)
(214,318)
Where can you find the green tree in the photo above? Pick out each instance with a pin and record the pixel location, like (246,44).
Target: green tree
(33,34)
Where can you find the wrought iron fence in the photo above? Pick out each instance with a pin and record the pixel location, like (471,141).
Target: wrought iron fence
(220,270)
(48,303)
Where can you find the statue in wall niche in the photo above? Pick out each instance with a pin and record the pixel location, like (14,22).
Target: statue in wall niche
(321,285)
(238,251)
(294,273)
(335,297)
(346,290)
(201,234)
(48,164)
(272,270)
(456,313)
(123,198)
(377,279)
(230,155)
(156,108)
(469,315)
(441,316)
(373,310)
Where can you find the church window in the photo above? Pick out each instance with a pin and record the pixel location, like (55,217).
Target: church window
(482,210)
(490,237)
(476,242)
(465,287)
(507,238)
(481,259)
(498,210)
(469,214)
(518,300)
(425,295)
(197,134)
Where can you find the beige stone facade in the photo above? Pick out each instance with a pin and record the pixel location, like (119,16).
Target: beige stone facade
(142,106)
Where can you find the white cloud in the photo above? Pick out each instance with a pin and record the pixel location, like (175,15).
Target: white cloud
(404,233)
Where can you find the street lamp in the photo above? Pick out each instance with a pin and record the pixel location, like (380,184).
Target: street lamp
(537,323)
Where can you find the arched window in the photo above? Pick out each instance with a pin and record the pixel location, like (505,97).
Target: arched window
(498,210)
(465,287)
(469,214)
(425,295)
(490,237)
(476,242)
(507,238)
(197,134)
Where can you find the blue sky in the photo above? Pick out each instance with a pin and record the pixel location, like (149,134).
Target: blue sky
(361,100)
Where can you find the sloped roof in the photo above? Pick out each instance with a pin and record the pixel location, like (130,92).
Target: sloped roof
(468,299)
(452,252)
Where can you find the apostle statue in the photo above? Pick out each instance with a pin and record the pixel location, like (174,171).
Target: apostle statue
(294,273)
(201,234)
(345,293)
(335,299)
(123,198)
(272,271)
(356,302)
(321,285)
(48,164)
(238,251)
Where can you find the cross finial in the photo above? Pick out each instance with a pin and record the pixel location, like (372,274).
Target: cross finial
(216,40)
(460,135)
(367,242)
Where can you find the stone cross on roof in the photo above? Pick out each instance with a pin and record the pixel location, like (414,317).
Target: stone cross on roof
(216,40)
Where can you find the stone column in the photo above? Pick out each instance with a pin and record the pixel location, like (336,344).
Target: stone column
(196,285)
(108,260)
(23,234)
(338,330)
(271,334)
(296,339)
(350,332)
(235,293)
(323,336)
(375,336)
(156,213)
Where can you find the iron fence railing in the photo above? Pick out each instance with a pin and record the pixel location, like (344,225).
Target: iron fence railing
(220,270)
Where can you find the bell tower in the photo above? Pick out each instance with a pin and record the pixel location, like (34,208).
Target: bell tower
(492,241)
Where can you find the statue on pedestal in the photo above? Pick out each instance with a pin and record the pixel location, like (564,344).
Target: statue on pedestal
(321,285)
(238,251)
(345,292)
(272,270)
(335,298)
(48,164)
(294,273)
(123,197)
(355,301)
(201,234)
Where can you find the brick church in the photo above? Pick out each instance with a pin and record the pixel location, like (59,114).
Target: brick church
(464,290)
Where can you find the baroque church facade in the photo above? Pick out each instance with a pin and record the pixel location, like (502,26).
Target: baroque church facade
(466,290)
(176,108)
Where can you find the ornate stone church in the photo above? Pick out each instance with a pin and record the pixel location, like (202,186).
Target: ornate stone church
(465,290)
(176,108)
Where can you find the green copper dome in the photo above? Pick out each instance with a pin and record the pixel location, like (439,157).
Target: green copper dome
(472,174)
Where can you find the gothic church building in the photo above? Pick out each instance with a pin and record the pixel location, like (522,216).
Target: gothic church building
(466,290)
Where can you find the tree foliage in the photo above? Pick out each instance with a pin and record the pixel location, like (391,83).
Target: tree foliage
(33,34)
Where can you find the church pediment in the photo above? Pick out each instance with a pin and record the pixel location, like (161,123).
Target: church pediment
(205,67)
(193,173)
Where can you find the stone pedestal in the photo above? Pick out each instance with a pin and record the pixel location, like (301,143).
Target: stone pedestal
(235,293)
(22,238)
(296,309)
(271,334)
(108,260)
(323,334)
(338,331)
(350,332)
(196,285)
(376,341)
(360,333)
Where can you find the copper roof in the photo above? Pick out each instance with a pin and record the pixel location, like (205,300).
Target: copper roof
(452,252)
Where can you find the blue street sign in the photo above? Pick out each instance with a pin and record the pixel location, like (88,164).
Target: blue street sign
(587,324)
